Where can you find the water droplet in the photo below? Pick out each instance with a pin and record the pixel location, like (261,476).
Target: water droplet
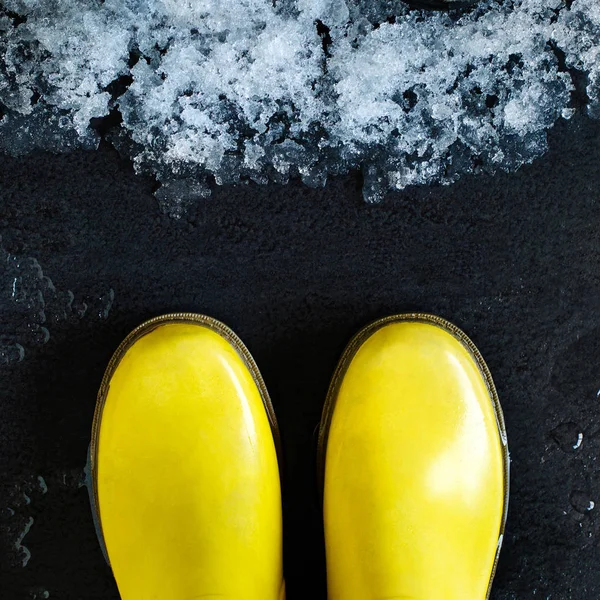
(581,502)
(106,302)
(47,285)
(7,512)
(42,484)
(568,436)
(23,550)
(80,309)
(75,478)
(39,334)
(34,304)
(11,353)
(59,305)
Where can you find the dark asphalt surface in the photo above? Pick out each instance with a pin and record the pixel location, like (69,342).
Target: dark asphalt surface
(513,259)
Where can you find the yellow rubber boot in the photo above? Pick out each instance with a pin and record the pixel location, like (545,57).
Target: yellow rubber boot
(184,466)
(415,466)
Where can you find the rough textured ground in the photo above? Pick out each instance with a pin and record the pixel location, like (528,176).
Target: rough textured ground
(513,260)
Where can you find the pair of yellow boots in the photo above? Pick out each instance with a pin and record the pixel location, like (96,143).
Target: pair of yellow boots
(412,454)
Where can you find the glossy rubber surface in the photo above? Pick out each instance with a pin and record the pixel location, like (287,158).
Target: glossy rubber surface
(416,466)
(185,467)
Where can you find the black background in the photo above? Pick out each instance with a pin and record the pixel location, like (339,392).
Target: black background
(511,259)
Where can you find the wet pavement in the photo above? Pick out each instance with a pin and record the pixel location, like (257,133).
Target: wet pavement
(514,260)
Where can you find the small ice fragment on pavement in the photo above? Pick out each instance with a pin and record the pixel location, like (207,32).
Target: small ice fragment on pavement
(581,502)
(26,554)
(568,436)
(230,91)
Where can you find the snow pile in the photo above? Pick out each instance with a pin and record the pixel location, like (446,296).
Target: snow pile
(261,90)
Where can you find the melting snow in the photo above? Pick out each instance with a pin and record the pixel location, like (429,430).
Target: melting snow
(261,90)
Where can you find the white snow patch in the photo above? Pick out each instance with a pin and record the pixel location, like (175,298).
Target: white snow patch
(259,90)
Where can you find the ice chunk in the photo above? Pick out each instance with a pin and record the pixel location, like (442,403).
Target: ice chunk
(577,34)
(230,91)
